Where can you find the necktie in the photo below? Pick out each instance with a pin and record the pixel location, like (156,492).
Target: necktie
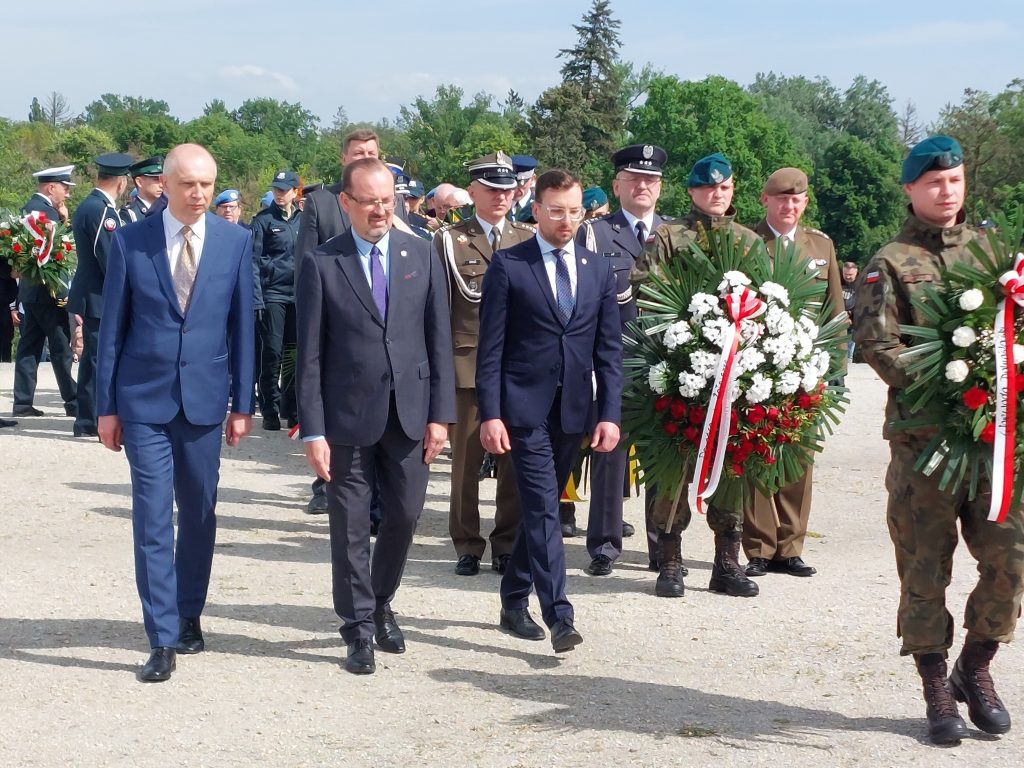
(184,276)
(563,287)
(495,239)
(640,235)
(378,283)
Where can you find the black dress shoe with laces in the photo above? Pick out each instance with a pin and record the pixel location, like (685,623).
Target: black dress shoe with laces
(159,666)
(499,564)
(388,634)
(359,658)
(190,636)
(564,636)
(757,566)
(794,566)
(468,565)
(317,505)
(519,622)
(601,565)
(7,423)
(272,422)
(25,410)
(627,530)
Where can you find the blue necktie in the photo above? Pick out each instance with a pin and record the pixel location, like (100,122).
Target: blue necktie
(378,283)
(563,287)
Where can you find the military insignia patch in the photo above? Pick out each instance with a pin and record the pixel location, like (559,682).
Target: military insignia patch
(109,224)
(871,277)
(716,176)
(473,285)
(280,175)
(821,262)
(648,151)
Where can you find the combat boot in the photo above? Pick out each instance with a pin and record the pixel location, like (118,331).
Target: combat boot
(972,683)
(670,561)
(726,573)
(945,726)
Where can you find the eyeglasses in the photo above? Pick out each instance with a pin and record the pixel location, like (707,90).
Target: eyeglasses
(370,205)
(560,214)
(650,180)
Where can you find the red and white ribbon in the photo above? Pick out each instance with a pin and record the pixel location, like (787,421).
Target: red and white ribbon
(707,470)
(1005,336)
(43,231)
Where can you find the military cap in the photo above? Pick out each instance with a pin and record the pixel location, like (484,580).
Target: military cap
(494,170)
(60,173)
(285,180)
(524,166)
(713,169)
(151,166)
(640,158)
(227,196)
(936,153)
(594,198)
(416,189)
(267,199)
(114,164)
(786,181)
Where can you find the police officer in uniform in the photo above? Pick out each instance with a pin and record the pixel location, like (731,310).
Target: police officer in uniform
(465,250)
(94,223)
(525,168)
(149,197)
(228,205)
(774,528)
(46,318)
(922,519)
(620,237)
(710,186)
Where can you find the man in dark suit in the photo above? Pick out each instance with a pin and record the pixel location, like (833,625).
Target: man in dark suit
(176,339)
(549,326)
(376,392)
(94,223)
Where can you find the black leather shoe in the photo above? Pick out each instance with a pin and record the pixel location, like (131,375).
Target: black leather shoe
(468,565)
(794,566)
(567,519)
(627,530)
(7,423)
(317,505)
(190,636)
(359,658)
(389,635)
(757,566)
(159,666)
(25,410)
(519,622)
(84,432)
(272,422)
(70,409)
(499,564)
(564,636)
(600,566)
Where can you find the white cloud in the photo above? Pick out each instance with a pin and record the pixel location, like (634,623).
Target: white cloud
(253,71)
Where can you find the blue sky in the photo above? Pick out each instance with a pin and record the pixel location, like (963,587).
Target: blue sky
(373,57)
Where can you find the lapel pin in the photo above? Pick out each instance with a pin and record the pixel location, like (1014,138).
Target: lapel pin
(403,253)
(584,261)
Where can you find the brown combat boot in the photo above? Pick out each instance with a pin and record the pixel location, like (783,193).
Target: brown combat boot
(945,726)
(972,683)
(670,561)
(726,573)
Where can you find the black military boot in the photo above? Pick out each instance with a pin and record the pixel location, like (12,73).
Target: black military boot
(670,562)
(945,726)
(726,573)
(972,683)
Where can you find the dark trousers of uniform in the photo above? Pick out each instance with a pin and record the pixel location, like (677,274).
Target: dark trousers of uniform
(44,321)
(361,583)
(923,527)
(276,334)
(775,528)
(174,464)
(6,333)
(543,457)
(85,415)
(464,512)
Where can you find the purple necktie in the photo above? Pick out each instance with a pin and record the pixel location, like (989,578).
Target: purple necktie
(378,283)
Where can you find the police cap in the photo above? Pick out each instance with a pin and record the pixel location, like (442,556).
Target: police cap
(936,153)
(710,170)
(227,196)
(640,158)
(494,170)
(151,166)
(285,180)
(114,164)
(786,181)
(416,189)
(524,166)
(60,173)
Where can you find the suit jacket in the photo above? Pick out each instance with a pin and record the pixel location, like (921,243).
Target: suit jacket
(525,350)
(94,224)
(819,248)
(350,359)
(152,360)
(28,292)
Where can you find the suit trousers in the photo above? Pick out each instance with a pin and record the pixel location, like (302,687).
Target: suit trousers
(276,334)
(543,457)
(44,321)
(775,528)
(604,523)
(85,415)
(361,583)
(173,464)
(464,513)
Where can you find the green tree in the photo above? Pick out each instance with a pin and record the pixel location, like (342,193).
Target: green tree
(868,114)
(290,127)
(138,125)
(81,144)
(811,110)
(25,147)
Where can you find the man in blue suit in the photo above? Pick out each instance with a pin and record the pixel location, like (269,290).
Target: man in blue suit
(176,340)
(549,329)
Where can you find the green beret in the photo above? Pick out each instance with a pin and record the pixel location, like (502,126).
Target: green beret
(594,198)
(713,169)
(936,153)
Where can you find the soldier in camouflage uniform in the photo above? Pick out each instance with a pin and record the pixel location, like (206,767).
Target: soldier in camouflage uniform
(923,520)
(710,186)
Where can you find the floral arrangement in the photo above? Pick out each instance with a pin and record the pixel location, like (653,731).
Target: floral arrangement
(39,250)
(966,365)
(727,370)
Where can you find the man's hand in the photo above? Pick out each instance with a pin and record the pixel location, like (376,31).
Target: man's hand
(433,441)
(494,437)
(62,210)
(109,430)
(15,318)
(318,455)
(605,437)
(238,426)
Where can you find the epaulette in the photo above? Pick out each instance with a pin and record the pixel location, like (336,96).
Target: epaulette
(523,225)
(667,218)
(811,231)
(446,226)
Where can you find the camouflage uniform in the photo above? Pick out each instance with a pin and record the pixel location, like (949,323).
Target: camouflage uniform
(923,520)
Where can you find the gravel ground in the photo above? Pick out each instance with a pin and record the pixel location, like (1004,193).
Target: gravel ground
(806,674)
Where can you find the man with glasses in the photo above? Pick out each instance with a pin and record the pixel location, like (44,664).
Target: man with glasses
(465,250)
(549,325)
(228,205)
(619,238)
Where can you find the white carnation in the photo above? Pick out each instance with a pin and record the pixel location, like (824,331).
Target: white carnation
(971,299)
(732,281)
(804,344)
(690,384)
(809,326)
(964,336)
(775,291)
(657,378)
(778,321)
(677,333)
(821,362)
(957,370)
(749,359)
(760,388)
(809,376)
(702,304)
(714,329)
(703,363)
(751,330)
(788,383)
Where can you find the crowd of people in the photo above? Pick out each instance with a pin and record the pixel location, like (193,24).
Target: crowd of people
(380,321)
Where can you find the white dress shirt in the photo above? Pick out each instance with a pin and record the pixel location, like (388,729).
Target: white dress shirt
(788,237)
(648,221)
(546,250)
(175,241)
